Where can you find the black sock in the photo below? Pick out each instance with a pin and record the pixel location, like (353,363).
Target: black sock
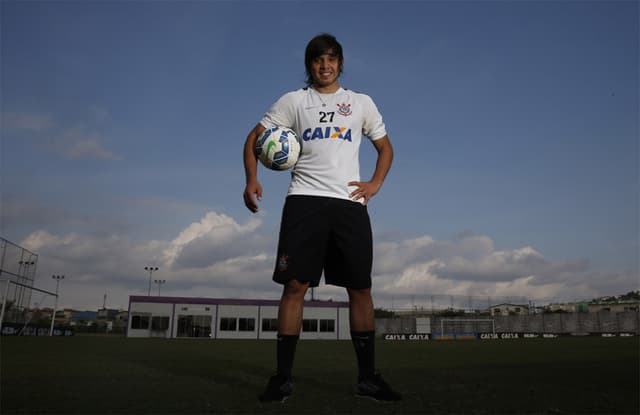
(286,350)
(364,345)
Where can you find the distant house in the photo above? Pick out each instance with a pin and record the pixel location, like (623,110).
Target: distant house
(85,316)
(64,316)
(560,308)
(617,307)
(123,315)
(107,314)
(506,309)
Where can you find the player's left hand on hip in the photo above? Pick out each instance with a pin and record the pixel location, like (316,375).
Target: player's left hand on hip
(364,190)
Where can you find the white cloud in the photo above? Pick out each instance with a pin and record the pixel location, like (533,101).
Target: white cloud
(74,143)
(77,143)
(27,121)
(201,243)
(416,270)
(209,253)
(218,256)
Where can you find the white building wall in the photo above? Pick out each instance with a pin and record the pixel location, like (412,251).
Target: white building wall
(268,312)
(317,313)
(216,312)
(344,327)
(237,312)
(193,310)
(149,310)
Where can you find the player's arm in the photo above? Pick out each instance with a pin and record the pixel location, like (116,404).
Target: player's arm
(369,189)
(253,187)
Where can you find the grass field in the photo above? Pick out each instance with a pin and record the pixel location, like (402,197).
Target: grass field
(91,375)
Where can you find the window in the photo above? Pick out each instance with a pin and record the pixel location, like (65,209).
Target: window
(269,324)
(194,326)
(517,309)
(247,324)
(228,324)
(309,325)
(140,322)
(159,323)
(327,325)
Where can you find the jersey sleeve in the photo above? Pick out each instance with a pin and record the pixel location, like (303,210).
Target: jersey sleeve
(373,126)
(282,112)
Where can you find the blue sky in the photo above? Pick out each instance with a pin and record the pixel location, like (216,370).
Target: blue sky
(515,128)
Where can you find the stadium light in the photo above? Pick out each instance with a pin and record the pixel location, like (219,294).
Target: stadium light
(159,282)
(150,270)
(55,306)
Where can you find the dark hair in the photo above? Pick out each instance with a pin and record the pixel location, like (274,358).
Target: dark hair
(319,45)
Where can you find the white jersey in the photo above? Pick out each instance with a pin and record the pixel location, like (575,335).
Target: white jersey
(330,127)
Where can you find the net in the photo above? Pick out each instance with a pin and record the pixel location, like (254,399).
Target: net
(19,318)
(460,327)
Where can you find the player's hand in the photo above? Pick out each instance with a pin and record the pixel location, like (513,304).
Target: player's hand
(253,188)
(364,190)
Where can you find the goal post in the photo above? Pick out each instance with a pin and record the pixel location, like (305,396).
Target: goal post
(16,312)
(466,326)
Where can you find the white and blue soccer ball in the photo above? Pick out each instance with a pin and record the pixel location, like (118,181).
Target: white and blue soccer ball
(278,148)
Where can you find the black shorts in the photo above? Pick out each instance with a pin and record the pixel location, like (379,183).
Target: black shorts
(323,233)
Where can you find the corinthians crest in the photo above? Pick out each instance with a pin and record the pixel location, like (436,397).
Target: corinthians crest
(344,109)
(283,263)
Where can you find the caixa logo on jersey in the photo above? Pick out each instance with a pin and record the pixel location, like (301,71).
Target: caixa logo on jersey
(320,133)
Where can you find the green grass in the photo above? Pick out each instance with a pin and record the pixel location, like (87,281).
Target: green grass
(90,374)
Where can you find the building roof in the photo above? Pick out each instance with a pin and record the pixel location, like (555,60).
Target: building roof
(227,301)
(510,305)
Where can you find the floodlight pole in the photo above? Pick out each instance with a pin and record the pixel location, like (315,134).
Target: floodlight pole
(159,282)
(150,269)
(55,306)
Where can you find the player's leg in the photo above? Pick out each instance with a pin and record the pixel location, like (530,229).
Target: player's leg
(298,266)
(361,316)
(289,324)
(363,335)
(280,385)
(361,319)
(349,263)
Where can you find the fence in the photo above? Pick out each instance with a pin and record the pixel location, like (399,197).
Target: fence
(561,323)
(18,265)
(423,302)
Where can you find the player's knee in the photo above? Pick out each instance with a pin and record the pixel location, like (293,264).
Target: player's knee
(359,295)
(295,289)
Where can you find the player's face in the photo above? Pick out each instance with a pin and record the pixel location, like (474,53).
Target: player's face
(325,70)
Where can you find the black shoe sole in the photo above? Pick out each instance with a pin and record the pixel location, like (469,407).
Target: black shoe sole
(371,398)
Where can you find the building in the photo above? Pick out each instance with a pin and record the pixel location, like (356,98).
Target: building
(614,307)
(187,317)
(560,308)
(107,314)
(506,309)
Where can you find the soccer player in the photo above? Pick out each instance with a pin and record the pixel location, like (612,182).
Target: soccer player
(325,224)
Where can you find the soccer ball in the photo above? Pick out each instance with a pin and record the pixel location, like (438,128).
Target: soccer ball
(278,148)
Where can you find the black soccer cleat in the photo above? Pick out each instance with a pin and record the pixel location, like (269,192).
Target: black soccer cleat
(374,387)
(278,389)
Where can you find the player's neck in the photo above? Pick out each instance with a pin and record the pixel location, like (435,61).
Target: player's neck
(327,89)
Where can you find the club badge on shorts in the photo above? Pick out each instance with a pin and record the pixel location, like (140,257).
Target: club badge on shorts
(283,263)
